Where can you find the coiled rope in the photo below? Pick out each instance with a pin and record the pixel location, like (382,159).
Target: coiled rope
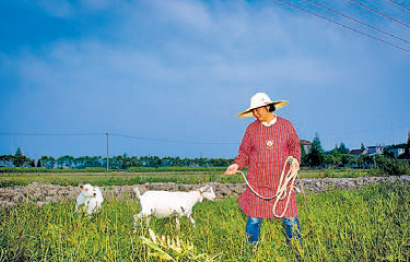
(287,180)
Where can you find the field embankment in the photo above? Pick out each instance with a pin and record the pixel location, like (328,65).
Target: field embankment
(41,194)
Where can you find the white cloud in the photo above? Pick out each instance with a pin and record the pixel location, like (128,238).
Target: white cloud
(61,8)
(97,5)
(67,8)
(185,13)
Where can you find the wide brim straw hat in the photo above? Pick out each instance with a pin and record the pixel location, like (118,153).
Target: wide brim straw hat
(262,100)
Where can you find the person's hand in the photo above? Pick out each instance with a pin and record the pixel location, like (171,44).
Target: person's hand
(231,170)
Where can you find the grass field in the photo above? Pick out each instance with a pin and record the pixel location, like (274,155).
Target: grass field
(370,224)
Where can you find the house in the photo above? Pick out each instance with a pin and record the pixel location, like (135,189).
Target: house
(356,152)
(306,145)
(373,150)
(397,151)
(369,150)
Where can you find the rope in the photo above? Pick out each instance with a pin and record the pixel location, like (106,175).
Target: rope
(285,181)
(282,192)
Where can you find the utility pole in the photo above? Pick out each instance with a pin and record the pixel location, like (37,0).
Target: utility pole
(108,159)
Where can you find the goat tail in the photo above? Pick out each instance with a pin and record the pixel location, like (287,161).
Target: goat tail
(137,192)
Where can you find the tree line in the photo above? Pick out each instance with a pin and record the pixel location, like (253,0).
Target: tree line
(339,156)
(115,162)
(316,158)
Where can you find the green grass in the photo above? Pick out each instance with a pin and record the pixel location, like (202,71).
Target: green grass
(117,179)
(370,224)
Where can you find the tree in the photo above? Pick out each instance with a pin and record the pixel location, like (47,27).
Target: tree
(60,161)
(118,161)
(315,157)
(44,161)
(347,160)
(19,160)
(47,161)
(87,161)
(343,149)
(388,153)
(335,156)
(135,161)
(51,162)
(392,166)
(126,161)
(39,163)
(8,160)
(19,152)
(327,160)
(96,161)
(79,161)
(3,160)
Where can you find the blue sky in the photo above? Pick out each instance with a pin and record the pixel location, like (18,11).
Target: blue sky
(167,78)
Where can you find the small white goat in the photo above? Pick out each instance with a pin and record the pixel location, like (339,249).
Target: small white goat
(91,197)
(164,203)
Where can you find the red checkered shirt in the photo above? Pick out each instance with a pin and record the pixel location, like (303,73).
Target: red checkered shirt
(264,150)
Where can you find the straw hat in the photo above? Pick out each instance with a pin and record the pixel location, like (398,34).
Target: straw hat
(261,100)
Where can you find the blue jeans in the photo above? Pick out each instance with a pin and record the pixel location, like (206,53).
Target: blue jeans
(253,228)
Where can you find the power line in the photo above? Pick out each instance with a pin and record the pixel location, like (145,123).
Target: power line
(357,21)
(399,5)
(345,26)
(379,13)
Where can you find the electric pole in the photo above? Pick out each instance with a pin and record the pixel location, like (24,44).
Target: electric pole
(108,159)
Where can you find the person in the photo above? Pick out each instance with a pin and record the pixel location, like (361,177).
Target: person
(265,146)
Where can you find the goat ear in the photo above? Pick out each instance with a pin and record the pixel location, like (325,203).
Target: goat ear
(204,189)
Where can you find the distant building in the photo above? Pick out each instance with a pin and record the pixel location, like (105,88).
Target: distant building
(369,150)
(356,152)
(373,150)
(398,150)
(306,145)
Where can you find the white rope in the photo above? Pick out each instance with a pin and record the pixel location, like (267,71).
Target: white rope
(282,192)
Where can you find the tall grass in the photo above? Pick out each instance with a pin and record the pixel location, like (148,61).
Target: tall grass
(370,224)
(116,179)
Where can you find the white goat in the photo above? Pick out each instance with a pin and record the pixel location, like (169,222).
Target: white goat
(164,203)
(91,197)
